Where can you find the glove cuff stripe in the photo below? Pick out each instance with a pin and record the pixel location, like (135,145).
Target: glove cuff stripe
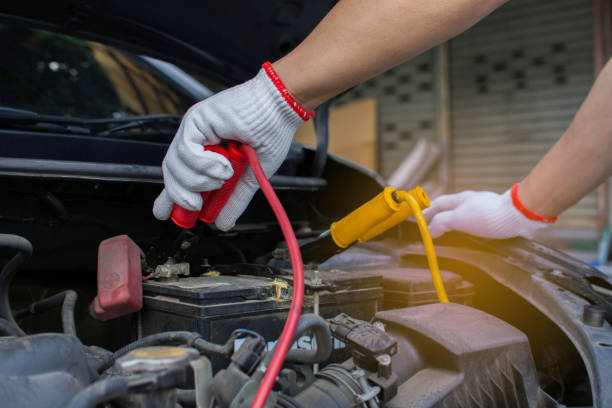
(525,211)
(267,66)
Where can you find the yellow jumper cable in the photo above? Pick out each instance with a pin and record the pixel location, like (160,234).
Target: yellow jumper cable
(432,259)
(386,210)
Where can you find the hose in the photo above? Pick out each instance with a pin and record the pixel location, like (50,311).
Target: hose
(323,338)
(192,339)
(68,306)
(286,337)
(7,328)
(432,260)
(99,392)
(66,298)
(8,272)
(186,398)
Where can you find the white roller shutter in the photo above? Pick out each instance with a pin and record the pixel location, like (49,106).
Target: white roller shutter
(517,79)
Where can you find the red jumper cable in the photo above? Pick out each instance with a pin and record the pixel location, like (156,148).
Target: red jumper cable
(213,203)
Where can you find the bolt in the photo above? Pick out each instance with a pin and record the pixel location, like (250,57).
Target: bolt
(384,365)
(316,281)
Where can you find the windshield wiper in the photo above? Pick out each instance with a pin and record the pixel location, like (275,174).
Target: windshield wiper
(132,127)
(27,120)
(149,127)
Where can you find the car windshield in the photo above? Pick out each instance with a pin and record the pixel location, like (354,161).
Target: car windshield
(57,74)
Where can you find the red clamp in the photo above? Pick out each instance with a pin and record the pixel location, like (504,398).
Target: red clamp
(213,201)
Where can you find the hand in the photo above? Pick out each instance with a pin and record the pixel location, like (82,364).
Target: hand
(480,213)
(254,113)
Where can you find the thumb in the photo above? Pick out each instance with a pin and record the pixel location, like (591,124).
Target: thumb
(162,208)
(441,223)
(235,206)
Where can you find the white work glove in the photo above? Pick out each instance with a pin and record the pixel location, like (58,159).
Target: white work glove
(481,213)
(254,113)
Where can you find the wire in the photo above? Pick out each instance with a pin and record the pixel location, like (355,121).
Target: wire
(24,248)
(286,338)
(429,248)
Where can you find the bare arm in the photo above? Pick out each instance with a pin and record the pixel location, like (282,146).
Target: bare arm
(580,160)
(359,39)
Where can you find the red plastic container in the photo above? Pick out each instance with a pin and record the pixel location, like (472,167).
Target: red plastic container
(119,278)
(217,199)
(187,218)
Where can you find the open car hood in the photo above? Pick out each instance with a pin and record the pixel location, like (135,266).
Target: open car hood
(226,40)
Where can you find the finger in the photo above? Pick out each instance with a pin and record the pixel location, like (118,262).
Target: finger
(235,206)
(195,127)
(189,200)
(190,179)
(162,207)
(443,203)
(441,224)
(200,161)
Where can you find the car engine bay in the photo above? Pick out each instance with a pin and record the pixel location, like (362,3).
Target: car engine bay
(202,325)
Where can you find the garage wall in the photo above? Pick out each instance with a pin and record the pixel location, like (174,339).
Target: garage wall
(517,79)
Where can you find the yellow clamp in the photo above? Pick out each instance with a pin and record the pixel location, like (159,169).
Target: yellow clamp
(384,211)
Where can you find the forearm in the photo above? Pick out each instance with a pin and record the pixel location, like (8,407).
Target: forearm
(580,160)
(359,39)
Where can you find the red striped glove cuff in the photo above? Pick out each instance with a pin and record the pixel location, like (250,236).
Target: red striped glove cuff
(267,66)
(526,211)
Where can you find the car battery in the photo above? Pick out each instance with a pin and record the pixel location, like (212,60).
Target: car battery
(250,297)
(405,287)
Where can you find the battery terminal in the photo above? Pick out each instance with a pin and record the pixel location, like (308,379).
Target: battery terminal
(279,285)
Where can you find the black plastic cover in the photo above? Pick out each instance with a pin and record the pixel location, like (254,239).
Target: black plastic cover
(463,357)
(43,370)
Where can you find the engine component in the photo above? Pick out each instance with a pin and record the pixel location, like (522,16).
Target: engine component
(453,355)
(231,380)
(171,269)
(42,370)
(406,287)
(322,351)
(366,341)
(236,385)
(155,360)
(322,337)
(371,349)
(119,278)
(190,339)
(448,355)
(338,386)
(216,305)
